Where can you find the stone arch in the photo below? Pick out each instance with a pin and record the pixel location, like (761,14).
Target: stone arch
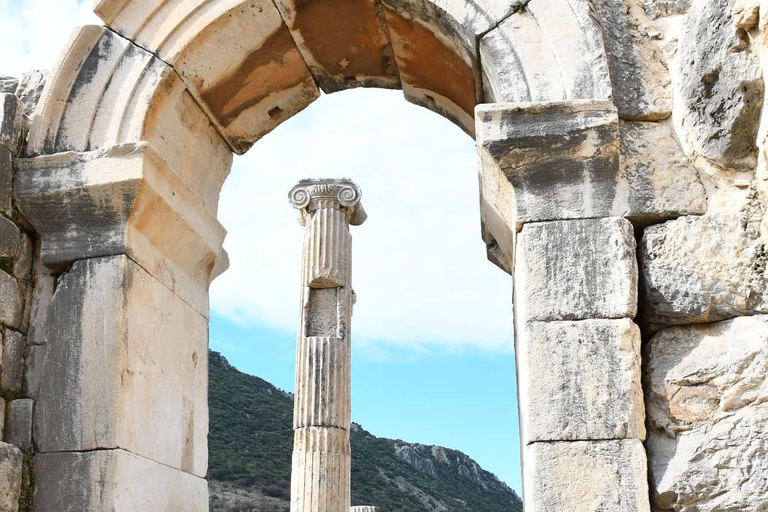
(134,136)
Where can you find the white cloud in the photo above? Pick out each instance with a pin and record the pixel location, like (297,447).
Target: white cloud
(34,32)
(420,271)
(421,276)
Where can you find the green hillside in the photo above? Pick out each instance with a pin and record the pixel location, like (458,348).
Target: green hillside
(250,443)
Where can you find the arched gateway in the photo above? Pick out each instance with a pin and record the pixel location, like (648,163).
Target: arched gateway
(134,136)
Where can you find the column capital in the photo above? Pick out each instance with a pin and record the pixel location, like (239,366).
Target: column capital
(342,194)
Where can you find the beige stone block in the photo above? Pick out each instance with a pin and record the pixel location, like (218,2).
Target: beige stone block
(580,381)
(10,477)
(576,270)
(586,476)
(126,367)
(322,382)
(321,469)
(708,416)
(122,200)
(114,480)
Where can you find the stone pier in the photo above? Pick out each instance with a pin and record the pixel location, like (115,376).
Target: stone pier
(320,478)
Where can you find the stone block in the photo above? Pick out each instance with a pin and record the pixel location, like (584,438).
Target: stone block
(13,360)
(34,370)
(30,89)
(707,408)
(720,87)
(114,480)
(549,161)
(550,51)
(6,181)
(13,123)
(10,240)
(365,509)
(576,270)
(18,423)
(663,8)
(642,88)
(11,460)
(24,258)
(123,200)
(586,476)
(125,367)
(656,182)
(11,301)
(704,269)
(580,381)
(2,417)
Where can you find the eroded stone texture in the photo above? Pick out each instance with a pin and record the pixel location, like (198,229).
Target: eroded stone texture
(12,360)
(107,480)
(6,181)
(30,88)
(580,381)
(130,358)
(13,123)
(642,89)
(10,477)
(605,476)
(18,423)
(575,270)
(365,509)
(11,301)
(720,85)
(33,372)
(708,416)
(704,269)
(661,8)
(657,182)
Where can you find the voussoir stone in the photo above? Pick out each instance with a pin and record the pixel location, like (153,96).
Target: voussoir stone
(576,270)
(580,381)
(704,269)
(11,460)
(707,406)
(720,85)
(586,476)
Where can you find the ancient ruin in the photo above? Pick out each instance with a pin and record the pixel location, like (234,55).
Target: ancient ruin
(623,185)
(321,472)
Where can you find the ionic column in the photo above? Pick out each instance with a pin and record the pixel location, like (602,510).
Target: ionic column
(320,477)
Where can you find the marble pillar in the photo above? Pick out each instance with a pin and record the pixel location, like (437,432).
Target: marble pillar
(320,477)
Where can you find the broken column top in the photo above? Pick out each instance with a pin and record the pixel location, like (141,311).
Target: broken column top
(342,194)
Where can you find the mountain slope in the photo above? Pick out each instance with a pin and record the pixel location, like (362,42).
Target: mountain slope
(250,443)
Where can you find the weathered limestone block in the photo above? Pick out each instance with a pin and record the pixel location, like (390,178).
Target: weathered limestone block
(130,358)
(323,373)
(547,161)
(10,240)
(576,270)
(657,182)
(550,51)
(10,477)
(236,56)
(605,476)
(2,417)
(345,44)
(365,509)
(24,258)
(107,480)
(720,85)
(30,88)
(661,8)
(12,360)
(708,416)
(642,89)
(122,200)
(704,269)
(321,470)
(11,301)
(126,94)
(18,423)
(580,381)
(34,370)
(13,124)
(6,181)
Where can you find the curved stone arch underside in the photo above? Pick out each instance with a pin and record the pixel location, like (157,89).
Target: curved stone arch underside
(135,132)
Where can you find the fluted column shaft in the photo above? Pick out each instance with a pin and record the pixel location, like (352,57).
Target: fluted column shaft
(320,476)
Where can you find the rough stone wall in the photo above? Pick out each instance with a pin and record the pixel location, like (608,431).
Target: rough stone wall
(21,351)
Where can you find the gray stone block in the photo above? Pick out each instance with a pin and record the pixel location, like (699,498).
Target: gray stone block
(642,89)
(34,372)
(11,301)
(13,123)
(2,417)
(720,86)
(11,460)
(6,181)
(580,381)
(576,270)
(106,480)
(586,476)
(10,240)
(18,423)
(24,258)
(704,269)
(708,416)
(13,360)
(30,89)
(662,8)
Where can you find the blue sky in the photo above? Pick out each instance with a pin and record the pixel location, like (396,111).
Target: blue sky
(432,331)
